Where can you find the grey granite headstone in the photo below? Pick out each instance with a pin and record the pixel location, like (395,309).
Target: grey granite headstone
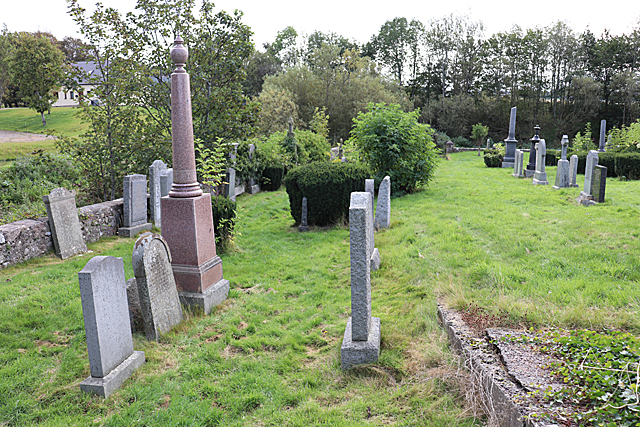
(166,180)
(519,164)
(106,322)
(540,178)
(562,175)
(573,171)
(369,187)
(599,183)
(603,132)
(134,206)
(133,300)
(586,195)
(159,301)
(304,224)
(361,343)
(565,144)
(253,187)
(64,223)
(383,208)
(155,193)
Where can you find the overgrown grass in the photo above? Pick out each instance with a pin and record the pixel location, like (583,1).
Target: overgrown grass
(270,355)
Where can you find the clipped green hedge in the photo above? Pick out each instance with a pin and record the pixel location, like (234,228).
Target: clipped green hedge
(224,220)
(327,187)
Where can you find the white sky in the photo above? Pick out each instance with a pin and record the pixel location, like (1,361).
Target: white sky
(355,19)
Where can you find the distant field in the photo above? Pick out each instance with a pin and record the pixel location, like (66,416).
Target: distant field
(61,121)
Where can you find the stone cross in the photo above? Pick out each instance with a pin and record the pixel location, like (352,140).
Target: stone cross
(361,343)
(573,171)
(599,183)
(157,291)
(106,322)
(531,166)
(155,190)
(369,187)
(565,143)
(134,206)
(510,142)
(540,177)
(383,208)
(64,222)
(304,225)
(603,132)
(187,219)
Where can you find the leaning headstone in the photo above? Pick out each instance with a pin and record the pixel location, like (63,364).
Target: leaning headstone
(599,183)
(586,195)
(106,322)
(603,132)
(383,208)
(540,178)
(531,166)
(64,223)
(369,187)
(166,180)
(573,171)
(510,142)
(304,224)
(159,301)
(155,193)
(134,206)
(361,343)
(517,169)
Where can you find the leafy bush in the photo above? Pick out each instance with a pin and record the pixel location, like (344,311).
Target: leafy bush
(224,220)
(492,158)
(393,143)
(626,139)
(272,176)
(461,141)
(327,187)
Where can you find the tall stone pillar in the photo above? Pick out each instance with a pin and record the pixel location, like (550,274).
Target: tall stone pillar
(510,143)
(187,220)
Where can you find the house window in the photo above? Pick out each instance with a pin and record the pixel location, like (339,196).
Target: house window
(71,95)
(65,95)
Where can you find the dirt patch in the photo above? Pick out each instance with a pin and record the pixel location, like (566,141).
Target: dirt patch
(11,136)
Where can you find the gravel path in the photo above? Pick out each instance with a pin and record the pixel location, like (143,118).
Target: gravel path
(11,136)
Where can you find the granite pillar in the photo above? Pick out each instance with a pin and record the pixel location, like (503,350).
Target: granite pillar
(510,143)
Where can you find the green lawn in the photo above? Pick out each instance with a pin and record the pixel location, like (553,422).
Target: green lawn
(270,355)
(62,120)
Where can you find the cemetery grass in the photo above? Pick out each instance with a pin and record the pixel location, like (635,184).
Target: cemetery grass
(269,355)
(62,121)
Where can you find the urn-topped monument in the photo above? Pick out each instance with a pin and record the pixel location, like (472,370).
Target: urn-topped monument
(187,220)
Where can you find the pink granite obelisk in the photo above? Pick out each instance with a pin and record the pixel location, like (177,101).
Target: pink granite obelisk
(187,221)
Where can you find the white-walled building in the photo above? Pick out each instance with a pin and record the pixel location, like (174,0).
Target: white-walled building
(71,97)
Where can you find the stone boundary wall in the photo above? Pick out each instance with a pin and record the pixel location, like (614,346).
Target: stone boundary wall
(461,149)
(28,238)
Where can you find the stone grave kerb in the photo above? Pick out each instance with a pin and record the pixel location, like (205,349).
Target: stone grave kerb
(64,223)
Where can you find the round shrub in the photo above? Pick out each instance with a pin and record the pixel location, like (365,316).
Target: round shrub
(492,159)
(327,187)
(272,176)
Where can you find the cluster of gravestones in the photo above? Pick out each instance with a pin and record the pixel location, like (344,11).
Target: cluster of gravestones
(595,178)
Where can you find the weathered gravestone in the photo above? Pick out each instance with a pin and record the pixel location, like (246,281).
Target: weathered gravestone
(155,193)
(540,178)
(64,222)
(586,195)
(510,143)
(134,206)
(599,183)
(253,186)
(106,322)
(562,173)
(603,132)
(517,169)
(166,180)
(531,166)
(369,187)
(383,208)
(304,224)
(361,342)
(133,301)
(573,171)
(159,301)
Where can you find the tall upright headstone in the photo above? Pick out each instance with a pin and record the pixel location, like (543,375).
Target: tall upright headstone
(304,224)
(586,195)
(106,322)
(510,142)
(562,172)
(531,166)
(565,144)
(369,187)
(540,178)
(603,133)
(134,206)
(155,190)
(64,222)
(383,208)
(519,164)
(230,179)
(158,294)
(573,171)
(599,183)
(253,187)
(187,219)
(361,343)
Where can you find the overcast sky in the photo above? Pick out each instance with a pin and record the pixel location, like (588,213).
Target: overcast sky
(355,19)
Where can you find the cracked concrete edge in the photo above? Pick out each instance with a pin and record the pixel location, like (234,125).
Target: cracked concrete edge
(494,399)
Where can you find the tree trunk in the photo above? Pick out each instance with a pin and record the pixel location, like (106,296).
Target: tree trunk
(44,122)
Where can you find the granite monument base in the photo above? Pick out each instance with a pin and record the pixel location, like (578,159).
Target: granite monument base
(375,259)
(132,231)
(354,353)
(207,300)
(506,164)
(106,386)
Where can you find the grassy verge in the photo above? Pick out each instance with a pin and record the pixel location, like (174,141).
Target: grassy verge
(270,355)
